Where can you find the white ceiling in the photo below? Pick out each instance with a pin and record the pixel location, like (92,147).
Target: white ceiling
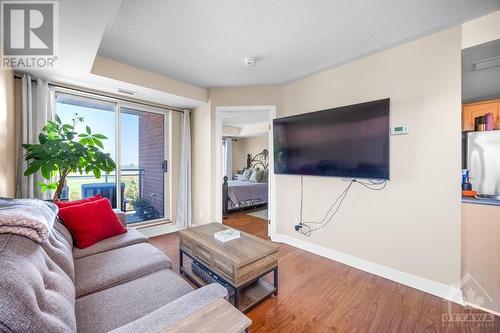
(204,42)
(242,118)
(81,27)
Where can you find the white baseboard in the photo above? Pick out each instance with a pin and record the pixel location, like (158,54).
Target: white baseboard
(482,309)
(438,289)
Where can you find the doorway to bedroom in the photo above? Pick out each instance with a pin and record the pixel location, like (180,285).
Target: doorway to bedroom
(244,159)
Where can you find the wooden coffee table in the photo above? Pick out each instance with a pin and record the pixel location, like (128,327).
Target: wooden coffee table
(239,264)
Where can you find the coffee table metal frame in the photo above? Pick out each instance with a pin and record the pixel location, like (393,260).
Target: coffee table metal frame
(236,289)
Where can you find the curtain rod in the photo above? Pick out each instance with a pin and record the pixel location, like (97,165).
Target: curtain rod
(90,91)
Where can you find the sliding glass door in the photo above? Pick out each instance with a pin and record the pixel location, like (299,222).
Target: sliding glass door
(143,165)
(137,140)
(100,117)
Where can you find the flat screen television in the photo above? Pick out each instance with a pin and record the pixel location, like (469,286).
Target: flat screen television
(349,141)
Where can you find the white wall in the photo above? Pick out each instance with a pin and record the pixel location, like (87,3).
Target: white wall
(243,146)
(230,131)
(256,129)
(481,30)
(239,156)
(7,135)
(122,72)
(414,224)
(201,164)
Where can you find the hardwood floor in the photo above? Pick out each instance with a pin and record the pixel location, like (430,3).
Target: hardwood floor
(247,223)
(320,295)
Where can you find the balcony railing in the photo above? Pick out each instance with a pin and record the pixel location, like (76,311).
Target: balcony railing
(132,186)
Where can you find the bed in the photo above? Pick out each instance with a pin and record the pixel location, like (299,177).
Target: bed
(238,194)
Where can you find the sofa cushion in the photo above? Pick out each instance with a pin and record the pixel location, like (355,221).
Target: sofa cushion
(104,270)
(122,217)
(91,222)
(131,237)
(122,304)
(36,294)
(59,248)
(168,315)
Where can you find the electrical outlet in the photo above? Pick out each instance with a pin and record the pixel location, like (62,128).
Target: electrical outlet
(200,214)
(297,225)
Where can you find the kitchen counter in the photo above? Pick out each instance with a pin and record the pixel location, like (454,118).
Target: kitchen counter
(480,252)
(481,201)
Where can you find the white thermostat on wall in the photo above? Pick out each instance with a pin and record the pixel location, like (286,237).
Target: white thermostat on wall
(399,130)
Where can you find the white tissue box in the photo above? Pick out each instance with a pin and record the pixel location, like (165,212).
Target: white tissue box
(227,235)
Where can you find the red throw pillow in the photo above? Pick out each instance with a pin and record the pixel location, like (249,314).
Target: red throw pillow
(62,204)
(91,222)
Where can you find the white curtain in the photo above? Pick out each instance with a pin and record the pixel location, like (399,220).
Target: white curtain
(227,163)
(37,107)
(184,210)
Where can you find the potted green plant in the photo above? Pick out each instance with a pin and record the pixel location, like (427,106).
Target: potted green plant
(61,151)
(139,204)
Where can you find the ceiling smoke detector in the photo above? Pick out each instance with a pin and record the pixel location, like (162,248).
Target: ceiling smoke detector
(249,61)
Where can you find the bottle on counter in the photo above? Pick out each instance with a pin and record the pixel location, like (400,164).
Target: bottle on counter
(480,123)
(466,184)
(489,126)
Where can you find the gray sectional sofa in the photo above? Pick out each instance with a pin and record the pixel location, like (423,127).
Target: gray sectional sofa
(121,284)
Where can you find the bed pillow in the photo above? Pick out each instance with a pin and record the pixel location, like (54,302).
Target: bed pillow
(257,176)
(265,176)
(247,174)
(91,222)
(253,176)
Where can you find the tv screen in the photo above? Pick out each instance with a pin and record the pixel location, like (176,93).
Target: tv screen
(349,141)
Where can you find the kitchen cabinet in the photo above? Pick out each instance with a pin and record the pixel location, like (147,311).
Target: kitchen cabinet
(481,255)
(473,110)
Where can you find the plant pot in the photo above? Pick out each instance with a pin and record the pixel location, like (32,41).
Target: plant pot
(139,211)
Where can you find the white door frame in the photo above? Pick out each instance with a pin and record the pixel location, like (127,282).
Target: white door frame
(219,177)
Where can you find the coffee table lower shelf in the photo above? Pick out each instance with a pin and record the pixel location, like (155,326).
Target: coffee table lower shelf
(247,296)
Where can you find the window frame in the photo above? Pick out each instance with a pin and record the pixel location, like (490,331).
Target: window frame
(118,105)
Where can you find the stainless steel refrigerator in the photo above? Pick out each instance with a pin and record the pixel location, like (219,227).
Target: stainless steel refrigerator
(483,161)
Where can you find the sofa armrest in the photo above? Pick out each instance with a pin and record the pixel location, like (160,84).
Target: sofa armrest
(176,310)
(122,217)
